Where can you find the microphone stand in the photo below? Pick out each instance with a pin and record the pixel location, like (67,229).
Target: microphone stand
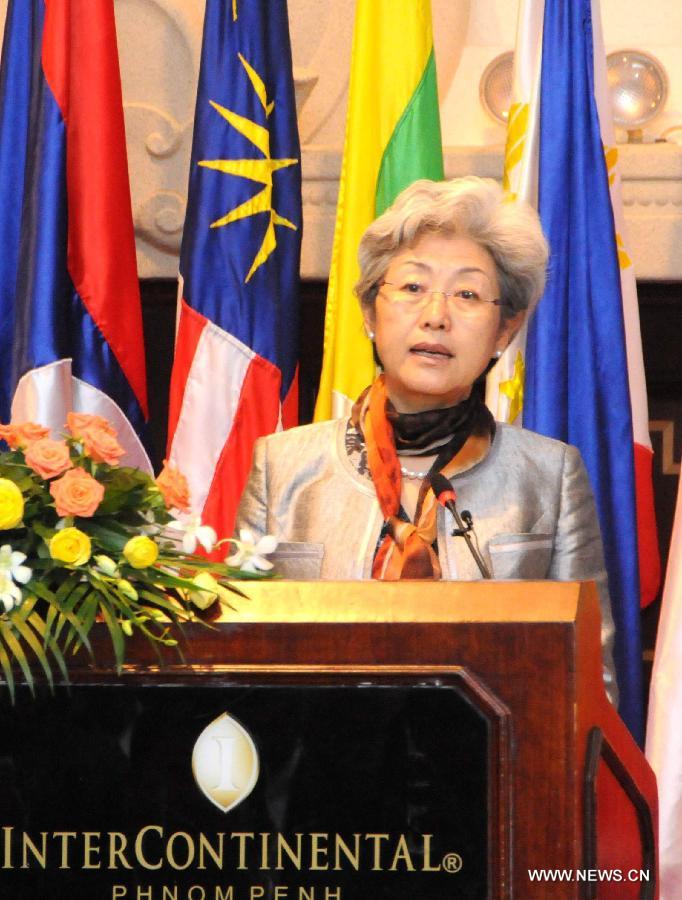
(445,495)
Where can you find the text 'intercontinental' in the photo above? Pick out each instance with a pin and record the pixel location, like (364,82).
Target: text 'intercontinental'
(150,848)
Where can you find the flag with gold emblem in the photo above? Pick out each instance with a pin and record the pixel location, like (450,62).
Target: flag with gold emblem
(505,383)
(392,138)
(576,371)
(235,368)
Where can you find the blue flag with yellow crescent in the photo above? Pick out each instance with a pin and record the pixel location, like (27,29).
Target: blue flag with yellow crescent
(235,368)
(576,367)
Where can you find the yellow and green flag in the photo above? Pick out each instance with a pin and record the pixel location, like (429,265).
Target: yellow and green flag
(392,138)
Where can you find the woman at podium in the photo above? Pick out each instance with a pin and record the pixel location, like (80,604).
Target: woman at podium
(420,481)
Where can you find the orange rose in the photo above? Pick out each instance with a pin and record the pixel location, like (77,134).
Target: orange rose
(48,458)
(76,493)
(8,434)
(79,423)
(24,434)
(173,485)
(101,445)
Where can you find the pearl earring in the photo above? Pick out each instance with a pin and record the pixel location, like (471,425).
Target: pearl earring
(370,335)
(498,354)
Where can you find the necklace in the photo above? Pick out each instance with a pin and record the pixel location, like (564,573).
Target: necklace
(415,475)
(408,473)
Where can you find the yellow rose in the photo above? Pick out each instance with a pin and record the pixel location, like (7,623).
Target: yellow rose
(141,552)
(11,505)
(70,546)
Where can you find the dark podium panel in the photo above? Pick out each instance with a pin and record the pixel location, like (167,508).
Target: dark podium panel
(420,741)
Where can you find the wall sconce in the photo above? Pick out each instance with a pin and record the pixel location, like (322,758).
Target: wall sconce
(638,83)
(495,86)
(639,89)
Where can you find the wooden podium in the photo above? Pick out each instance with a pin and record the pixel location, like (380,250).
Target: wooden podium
(566,786)
(569,788)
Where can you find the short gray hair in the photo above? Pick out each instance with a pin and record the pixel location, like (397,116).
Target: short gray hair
(476,208)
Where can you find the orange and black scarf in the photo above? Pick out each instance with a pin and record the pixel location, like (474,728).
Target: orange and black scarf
(407,549)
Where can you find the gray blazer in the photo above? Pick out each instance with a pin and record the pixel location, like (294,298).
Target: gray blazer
(532,506)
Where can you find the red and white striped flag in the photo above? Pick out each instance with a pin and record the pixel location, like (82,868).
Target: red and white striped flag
(234,374)
(664,726)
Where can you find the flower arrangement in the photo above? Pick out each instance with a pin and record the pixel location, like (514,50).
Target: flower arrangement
(84,539)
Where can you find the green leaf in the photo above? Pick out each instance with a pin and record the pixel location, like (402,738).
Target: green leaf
(173,609)
(40,626)
(43,530)
(5,660)
(116,632)
(88,610)
(70,615)
(112,537)
(25,484)
(44,553)
(168,580)
(86,614)
(65,613)
(225,574)
(125,488)
(51,617)
(35,645)
(70,607)
(17,652)
(66,587)
(27,606)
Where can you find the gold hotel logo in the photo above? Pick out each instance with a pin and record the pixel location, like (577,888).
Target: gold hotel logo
(225,762)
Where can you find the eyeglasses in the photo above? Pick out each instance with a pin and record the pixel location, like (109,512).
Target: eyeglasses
(463,301)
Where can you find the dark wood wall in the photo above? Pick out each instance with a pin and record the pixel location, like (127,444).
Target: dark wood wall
(660,307)
(661,321)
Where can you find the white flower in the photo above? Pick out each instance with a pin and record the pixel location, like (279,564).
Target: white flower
(250,555)
(10,594)
(11,565)
(194,532)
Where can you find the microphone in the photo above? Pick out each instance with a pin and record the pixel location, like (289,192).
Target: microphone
(446,496)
